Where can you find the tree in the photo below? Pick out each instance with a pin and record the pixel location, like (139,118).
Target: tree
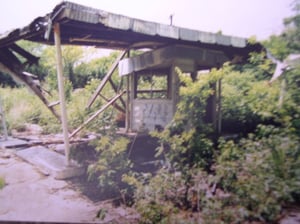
(292,29)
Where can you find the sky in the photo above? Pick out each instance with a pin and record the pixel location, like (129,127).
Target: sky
(243,18)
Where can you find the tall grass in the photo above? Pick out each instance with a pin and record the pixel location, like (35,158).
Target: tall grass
(22,106)
(2,182)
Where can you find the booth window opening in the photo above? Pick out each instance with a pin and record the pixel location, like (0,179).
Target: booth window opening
(152,85)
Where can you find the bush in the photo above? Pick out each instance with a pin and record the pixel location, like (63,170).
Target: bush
(22,106)
(261,172)
(2,182)
(112,162)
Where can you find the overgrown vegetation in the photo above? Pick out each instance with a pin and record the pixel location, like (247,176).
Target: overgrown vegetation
(251,172)
(2,182)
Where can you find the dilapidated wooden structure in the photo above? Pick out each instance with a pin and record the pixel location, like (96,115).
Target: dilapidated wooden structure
(154,84)
(168,47)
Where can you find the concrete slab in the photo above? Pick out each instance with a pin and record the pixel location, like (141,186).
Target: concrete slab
(50,162)
(30,197)
(12,143)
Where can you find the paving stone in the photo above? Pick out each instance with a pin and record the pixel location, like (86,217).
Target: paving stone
(50,162)
(12,143)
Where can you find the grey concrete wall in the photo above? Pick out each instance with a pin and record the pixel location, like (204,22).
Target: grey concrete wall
(149,113)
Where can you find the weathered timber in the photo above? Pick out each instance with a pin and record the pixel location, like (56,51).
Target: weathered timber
(96,114)
(60,81)
(106,78)
(44,143)
(115,105)
(30,84)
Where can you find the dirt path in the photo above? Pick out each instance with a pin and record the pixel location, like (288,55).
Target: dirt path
(30,196)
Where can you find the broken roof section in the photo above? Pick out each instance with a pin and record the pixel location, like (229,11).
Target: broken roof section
(81,25)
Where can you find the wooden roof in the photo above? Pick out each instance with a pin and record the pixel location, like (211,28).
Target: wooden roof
(81,25)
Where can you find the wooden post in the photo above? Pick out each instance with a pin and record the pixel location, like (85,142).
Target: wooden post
(3,120)
(219,126)
(60,80)
(127,115)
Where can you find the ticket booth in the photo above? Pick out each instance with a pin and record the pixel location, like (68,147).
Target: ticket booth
(153,90)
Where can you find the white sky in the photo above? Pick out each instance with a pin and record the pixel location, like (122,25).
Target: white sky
(242,18)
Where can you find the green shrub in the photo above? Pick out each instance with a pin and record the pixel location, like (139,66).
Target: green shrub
(2,182)
(112,162)
(261,172)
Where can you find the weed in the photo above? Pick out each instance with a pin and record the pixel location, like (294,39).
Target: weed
(2,182)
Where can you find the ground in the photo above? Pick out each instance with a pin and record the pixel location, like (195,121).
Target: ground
(30,195)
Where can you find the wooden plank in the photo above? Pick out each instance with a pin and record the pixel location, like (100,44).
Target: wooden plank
(19,77)
(115,105)
(106,78)
(96,114)
(42,142)
(31,58)
(116,91)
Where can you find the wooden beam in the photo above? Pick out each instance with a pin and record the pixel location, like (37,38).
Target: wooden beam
(17,75)
(115,105)
(96,114)
(31,58)
(60,80)
(116,91)
(106,78)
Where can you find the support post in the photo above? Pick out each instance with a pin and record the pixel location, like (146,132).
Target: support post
(4,127)
(211,107)
(60,80)
(219,126)
(127,115)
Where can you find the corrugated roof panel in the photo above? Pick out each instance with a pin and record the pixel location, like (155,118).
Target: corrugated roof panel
(144,27)
(73,16)
(83,16)
(167,31)
(208,38)
(188,34)
(223,40)
(238,42)
(117,22)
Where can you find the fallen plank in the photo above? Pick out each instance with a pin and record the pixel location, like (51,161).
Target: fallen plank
(20,143)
